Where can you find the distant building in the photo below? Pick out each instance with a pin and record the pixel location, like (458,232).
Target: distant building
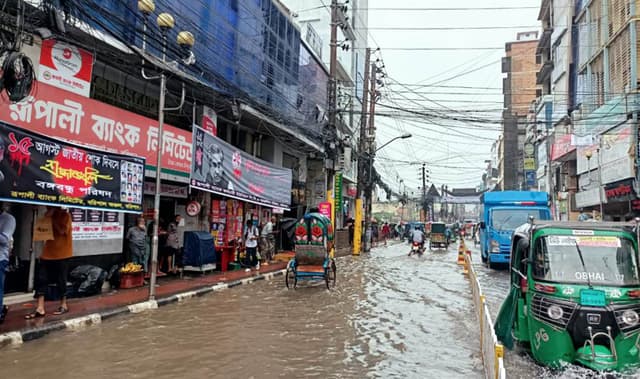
(519,89)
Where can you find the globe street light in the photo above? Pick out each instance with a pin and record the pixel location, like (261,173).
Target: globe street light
(186,40)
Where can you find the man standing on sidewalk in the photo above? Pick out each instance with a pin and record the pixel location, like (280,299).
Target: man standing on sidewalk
(54,262)
(268,240)
(7,228)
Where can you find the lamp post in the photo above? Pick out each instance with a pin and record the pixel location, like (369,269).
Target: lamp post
(186,40)
(369,187)
(588,155)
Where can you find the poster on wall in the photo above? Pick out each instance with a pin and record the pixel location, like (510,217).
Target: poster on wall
(224,169)
(65,66)
(91,224)
(209,120)
(36,169)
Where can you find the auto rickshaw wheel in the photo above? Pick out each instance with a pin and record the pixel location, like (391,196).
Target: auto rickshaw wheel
(330,275)
(290,278)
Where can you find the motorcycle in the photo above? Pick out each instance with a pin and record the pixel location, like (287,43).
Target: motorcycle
(416,248)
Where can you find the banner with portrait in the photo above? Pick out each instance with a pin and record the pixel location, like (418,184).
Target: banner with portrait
(40,170)
(221,168)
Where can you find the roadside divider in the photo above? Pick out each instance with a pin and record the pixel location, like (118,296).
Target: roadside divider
(492,350)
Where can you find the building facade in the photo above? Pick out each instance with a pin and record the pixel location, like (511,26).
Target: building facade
(519,89)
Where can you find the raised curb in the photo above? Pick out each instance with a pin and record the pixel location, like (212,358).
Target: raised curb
(32,333)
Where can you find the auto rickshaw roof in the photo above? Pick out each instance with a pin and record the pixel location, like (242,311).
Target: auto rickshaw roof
(578,225)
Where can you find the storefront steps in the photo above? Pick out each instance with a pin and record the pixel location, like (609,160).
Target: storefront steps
(94,310)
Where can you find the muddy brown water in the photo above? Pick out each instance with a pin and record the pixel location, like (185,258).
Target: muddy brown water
(390,316)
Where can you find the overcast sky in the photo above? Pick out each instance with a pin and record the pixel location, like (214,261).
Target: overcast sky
(454,152)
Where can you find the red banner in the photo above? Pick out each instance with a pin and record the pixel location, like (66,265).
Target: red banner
(64,115)
(561,147)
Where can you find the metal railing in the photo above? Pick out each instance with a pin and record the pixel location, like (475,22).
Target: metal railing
(492,350)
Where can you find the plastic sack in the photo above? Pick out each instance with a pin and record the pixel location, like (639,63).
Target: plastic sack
(87,280)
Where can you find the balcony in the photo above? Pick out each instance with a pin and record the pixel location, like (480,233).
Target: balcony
(545,41)
(545,72)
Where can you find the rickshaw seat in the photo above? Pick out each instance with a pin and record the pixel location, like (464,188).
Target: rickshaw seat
(310,254)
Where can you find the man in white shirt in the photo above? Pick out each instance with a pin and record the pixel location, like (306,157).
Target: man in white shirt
(267,240)
(417,236)
(251,244)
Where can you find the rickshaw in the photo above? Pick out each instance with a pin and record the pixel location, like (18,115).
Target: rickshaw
(438,238)
(575,294)
(313,252)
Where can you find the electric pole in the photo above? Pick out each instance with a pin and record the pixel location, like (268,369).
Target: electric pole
(362,166)
(424,192)
(330,134)
(370,140)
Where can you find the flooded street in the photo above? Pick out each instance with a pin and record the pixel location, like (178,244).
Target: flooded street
(390,316)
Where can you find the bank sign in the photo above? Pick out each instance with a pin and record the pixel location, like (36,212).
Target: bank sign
(77,119)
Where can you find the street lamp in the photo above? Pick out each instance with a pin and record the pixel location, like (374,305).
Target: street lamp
(367,213)
(404,136)
(186,40)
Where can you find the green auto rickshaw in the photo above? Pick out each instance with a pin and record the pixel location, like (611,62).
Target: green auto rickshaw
(575,294)
(438,238)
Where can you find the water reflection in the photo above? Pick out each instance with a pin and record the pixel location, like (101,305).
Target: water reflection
(389,316)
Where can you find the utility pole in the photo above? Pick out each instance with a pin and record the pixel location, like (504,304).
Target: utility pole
(362,147)
(370,139)
(331,130)
(424,192)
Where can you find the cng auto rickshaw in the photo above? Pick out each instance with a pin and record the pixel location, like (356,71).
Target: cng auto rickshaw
(438,238)
(575,294)
(313,251)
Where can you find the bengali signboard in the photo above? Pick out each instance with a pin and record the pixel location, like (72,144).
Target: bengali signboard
(77,119)
(337,192)
(41,170)
(91,224)
(65,66)
(226,170)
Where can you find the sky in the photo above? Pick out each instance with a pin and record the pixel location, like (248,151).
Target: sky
(423,81)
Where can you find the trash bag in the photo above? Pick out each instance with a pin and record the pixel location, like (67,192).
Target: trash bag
(114,276)
(87,280)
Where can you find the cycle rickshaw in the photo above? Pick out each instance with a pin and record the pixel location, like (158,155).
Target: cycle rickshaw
(313,252)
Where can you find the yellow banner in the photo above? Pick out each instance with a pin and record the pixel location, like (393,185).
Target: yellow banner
(529,163)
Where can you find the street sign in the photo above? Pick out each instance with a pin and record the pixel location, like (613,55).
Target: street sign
(530,178)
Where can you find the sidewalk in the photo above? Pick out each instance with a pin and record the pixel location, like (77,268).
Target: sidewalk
(92,310)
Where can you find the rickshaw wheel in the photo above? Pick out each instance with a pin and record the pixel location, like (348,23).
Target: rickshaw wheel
(290,278)
(330,275)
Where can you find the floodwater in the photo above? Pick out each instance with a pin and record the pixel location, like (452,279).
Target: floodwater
(390,316)
(519,365)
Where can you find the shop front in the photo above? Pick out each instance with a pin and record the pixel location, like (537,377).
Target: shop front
(65,116)
(95,187)
(242,188)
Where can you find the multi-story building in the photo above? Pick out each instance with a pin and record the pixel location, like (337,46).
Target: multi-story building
(606,106)
(314,20)
(519,89)
(261,86)
(551,134)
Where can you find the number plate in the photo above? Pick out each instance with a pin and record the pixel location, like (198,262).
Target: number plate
(594,298)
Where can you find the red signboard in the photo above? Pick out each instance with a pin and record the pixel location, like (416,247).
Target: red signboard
(64,115)
(561,147)
(325,209)
(65,66)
